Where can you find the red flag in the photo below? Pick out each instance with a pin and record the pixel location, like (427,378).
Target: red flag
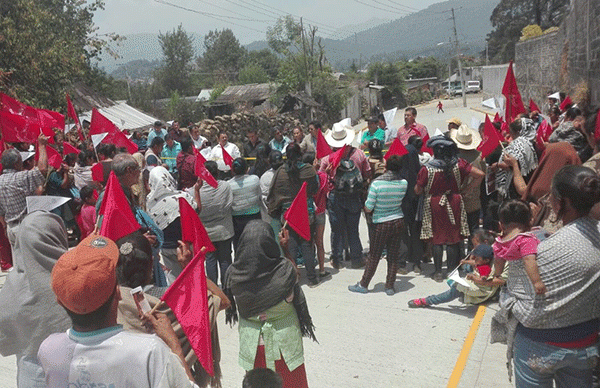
(323,149)
(98,172)
(50,119)
(15,128)
(32,122)
(297,215)
(491,139)
(227,159)
(543,133)
(565,104)
(510,90)
(73,115)
(192,230)
(397,148)
(101,124)
(336,157)
(69,149)
(497,118)
(597,129)
(424,148)
(54,158)
(532,106)
(118,220)
(202,172)
(188,299)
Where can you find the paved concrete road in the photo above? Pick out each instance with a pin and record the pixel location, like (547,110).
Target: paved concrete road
(375,340)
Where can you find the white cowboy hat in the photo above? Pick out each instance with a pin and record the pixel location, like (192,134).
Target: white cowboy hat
(341,134)
(465,137)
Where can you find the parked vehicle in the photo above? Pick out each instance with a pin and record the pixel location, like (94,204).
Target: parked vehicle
(473,86)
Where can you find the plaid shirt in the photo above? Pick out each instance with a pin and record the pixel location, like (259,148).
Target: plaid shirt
(14,187)
(405,133)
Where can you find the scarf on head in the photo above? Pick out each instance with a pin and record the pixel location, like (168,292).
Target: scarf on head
(259,278)
(521,149)
(441,141)
(29,311)
(163,200)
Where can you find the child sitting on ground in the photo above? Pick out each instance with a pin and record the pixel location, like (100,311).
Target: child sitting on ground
(517,244)
(480,259)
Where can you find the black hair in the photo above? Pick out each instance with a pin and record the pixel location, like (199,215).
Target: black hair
(262,159)
(316,124)
(167,137)
(416,141)
(483,235)
(275,159)
(240,166)
(590,122)
(86,192)
(555,110)
(411,110)
(84,156)
(375,147)
(381,117)
(516,126)
(572,113)
(186,143)
(373,120)
(157,141)
(580,185)
(515,211)
(262,378)
(108,150)
(135,260)
(212,167)
(251,130)
(95,317)
(221,132)
(294,155)
(394,163)
(70,158)
(308,157)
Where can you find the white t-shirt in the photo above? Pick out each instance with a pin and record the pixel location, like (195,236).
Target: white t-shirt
(198,143)
(216,154)
(110,358)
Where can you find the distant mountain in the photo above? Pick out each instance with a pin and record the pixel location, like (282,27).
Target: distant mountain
(422,33)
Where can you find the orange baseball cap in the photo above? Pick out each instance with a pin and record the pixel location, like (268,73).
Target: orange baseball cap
(84,278)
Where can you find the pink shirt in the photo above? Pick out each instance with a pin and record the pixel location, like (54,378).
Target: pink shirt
(88,219)
(416,129)
(521,245)
(359,159)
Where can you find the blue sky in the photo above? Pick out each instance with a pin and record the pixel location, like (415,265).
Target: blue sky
(248,19)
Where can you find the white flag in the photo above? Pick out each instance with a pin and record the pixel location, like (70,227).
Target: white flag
(97,139)
(475,122)
(389,116)
(44,202)
(26,155)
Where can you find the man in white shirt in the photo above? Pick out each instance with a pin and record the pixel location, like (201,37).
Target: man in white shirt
(96,352)
(216,154)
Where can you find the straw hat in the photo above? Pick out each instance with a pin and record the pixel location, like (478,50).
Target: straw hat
(465,137)
(455,120)
(341,134)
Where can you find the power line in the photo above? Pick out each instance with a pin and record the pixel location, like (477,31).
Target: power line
(373,6)
(404,6)
(393,8)
(233,12)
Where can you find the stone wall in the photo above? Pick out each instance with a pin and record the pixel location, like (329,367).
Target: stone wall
(567,60)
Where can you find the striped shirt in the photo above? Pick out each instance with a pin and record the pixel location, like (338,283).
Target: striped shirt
(385,199)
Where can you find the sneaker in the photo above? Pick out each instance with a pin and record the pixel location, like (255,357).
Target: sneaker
(313,283)
(357,288)
(324,275)
(389,291)
(417,303)
(438,277)
(402,270)
(417,269)
(358,265)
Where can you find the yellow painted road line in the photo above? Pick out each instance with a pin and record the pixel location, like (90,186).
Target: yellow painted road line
(466,349)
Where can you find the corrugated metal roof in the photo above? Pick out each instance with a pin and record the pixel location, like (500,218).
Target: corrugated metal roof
(250,92)
(123,116)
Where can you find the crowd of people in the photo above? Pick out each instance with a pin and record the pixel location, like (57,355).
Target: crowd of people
(522,219)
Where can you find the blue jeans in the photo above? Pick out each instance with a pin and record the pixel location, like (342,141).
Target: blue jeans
(308,251)
(445,296)
(538,364)
(220,258)
(344,215)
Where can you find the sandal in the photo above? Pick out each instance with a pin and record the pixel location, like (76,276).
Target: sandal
(417,303)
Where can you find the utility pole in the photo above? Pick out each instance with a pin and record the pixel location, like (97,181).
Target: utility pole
(449,63)
(308,86)
(462,75)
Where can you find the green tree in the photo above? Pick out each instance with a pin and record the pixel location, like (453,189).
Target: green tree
(511,16)
(46,46)
(266,59)
(389,74)
(223,56)
(178,53)
(252,74)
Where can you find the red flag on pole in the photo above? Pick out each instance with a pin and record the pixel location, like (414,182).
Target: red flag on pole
(297,215)
(533,106)
(397,148)
(73,115)
(192,230)
(50,119)
(54,158)
(118,220)
(202,172)
(69,149)
(101,124)
(510,90)
(188,299)
(491,139)
(565,104)
(98,172)
(227,159)
(323,149)
(424,147)
(336,157)
(22,123)
(497,118)
(543,133)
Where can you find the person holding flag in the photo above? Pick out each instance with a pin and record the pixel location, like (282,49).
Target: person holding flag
(224,153)
(285,187)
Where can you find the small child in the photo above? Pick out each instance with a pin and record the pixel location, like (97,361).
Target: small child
(480,258)
(517,244)
(88,211)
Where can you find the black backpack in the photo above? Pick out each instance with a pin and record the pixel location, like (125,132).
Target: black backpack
(348,180)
